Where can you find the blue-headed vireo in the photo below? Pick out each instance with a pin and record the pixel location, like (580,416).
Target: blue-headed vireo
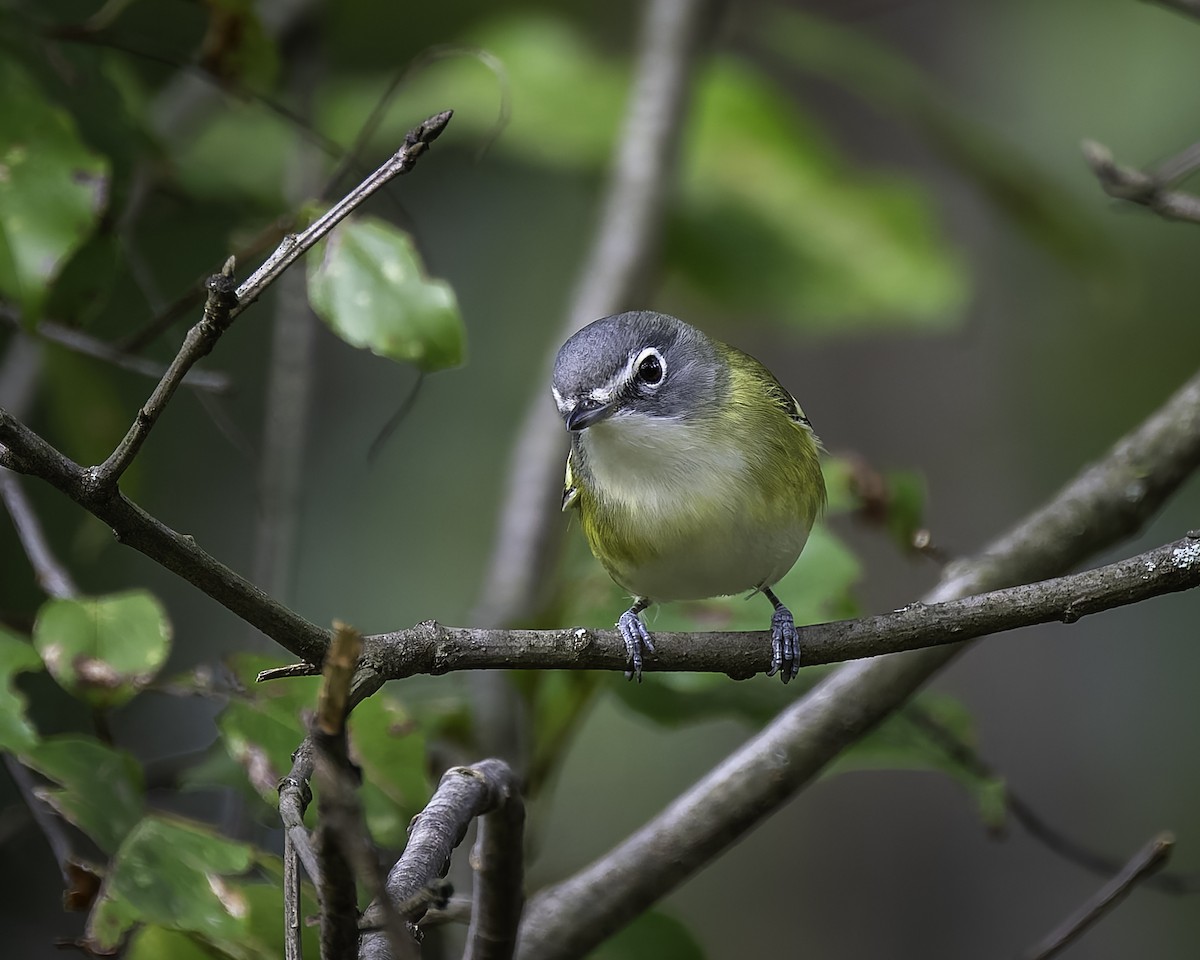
(695,473)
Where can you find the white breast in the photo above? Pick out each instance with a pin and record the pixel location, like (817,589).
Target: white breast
(690,496)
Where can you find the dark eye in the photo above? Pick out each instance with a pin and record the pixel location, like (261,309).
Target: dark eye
(650,369)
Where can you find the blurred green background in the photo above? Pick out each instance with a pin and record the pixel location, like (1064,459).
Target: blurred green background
(886,201)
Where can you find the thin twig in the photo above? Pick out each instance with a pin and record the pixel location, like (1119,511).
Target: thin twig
(1190,8)
(339,815)
(1143,864)
(295,793)
(1023,812)
(51,575)
(1137,186)
(463,794)
(211,381)
(1178,166)
(293,933)
(224,304)
(1106,502)
(454,910)
(48,823)
(432,648)
(416,143)
(85,344)
(218,314)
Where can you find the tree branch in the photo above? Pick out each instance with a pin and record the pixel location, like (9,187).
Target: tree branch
(1147,189)
(1104,503)
(432,648)
(464,793)
(1143,864)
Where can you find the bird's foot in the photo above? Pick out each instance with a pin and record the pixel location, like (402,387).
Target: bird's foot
(637,641)
(785,645)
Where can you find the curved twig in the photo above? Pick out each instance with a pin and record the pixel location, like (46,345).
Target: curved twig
(486,789)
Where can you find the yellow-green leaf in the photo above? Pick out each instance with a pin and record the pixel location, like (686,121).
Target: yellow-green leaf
(17,655)
(366,281)
(52,189)
(103,649)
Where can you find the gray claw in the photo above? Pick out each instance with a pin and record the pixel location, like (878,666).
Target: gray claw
(637,640)
(785,645)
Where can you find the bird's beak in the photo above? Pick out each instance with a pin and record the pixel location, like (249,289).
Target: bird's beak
(586,412)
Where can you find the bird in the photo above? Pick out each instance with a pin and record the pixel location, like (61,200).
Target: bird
(693,471)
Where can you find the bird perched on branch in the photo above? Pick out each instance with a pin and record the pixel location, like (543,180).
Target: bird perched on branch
(695,473)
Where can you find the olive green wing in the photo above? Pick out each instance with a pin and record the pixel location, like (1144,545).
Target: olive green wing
(570,488)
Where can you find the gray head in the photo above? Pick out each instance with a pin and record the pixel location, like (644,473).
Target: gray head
(636,363)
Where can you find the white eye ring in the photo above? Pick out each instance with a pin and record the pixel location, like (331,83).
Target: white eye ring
(649,368)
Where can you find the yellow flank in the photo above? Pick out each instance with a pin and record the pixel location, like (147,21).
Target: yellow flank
(718,502)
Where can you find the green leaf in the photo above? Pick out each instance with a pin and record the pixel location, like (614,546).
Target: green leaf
(173,874)
(102,791)
(152,942)
(652,936)
(923,736)
(367,282)
(261,730)
(1034,202)
(52,189)
(264,934)
(263,903)
(391,749)
(103,650)
(773,219)
(17,655)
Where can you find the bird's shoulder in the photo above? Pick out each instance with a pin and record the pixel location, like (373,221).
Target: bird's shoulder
(768,385)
